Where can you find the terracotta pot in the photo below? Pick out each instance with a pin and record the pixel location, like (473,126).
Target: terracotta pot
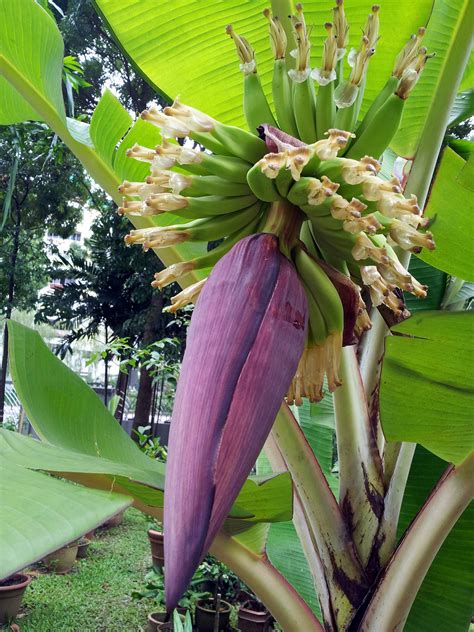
(157,549)
(62,560)
(115,521)
(11,594)
(251,618)
(205,615)
(83,546)
(155,619)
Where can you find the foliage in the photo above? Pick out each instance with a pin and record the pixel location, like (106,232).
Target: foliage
(360,520)
(150,445)
(95,288)
(102,60)
(46,195)
(211,576)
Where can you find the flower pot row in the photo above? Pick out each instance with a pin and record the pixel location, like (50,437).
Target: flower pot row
(60,562)
(252,615)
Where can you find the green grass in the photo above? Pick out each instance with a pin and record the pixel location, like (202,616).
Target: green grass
(95,595)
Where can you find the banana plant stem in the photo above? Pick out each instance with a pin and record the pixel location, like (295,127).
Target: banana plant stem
(393,501)
(284,603)
(418,183)
(400,581)
(371,353)
(346,580)
(360,468)
(316,567)
(307,541)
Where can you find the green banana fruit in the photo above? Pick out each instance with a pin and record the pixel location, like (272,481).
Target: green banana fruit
(206,229)
(208,260)
(210,143)
(313,194)
(227,167)
(304,107)
(388,89)
(326,77)
(262,187)
(283,182)
(256,108)
(379,132)
(281,88)
(304,96)
(307,238)
(241,143)
(322,289)
(326,110)
(187,207)
(212,185)
(283,98)
(211,205)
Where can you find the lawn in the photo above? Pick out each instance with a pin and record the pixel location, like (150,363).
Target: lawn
(95,596)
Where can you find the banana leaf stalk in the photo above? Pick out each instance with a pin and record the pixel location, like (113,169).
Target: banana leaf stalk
(250,315)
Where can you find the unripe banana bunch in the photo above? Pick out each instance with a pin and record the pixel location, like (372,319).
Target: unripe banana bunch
(309,172)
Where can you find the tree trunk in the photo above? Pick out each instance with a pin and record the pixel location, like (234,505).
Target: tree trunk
(145,387)
(121,391)
(153,408)
(8,312)
(3,377)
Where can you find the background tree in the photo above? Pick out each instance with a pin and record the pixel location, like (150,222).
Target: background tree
(107,286)
(102,60)
(41,187)
(49,163)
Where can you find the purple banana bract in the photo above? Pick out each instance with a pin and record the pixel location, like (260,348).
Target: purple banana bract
(245,339)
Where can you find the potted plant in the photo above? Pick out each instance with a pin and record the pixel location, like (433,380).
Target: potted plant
(180,623)
(83,547)
(154,619)
(210,610)
(11,594)
(62,560)
(157,620)
(253,617)
(155,535)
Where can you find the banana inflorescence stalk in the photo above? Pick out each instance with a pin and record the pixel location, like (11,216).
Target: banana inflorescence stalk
(308,171)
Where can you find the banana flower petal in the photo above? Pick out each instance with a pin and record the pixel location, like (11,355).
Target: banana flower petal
(251,313)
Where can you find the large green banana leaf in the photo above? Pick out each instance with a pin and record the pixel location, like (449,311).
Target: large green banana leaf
(445,600)
(451,209)
(426,387)
(449,31)
(83,441)
(433,278)
(40,514)
(182,48)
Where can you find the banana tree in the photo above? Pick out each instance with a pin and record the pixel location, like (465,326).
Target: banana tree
(318,187)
